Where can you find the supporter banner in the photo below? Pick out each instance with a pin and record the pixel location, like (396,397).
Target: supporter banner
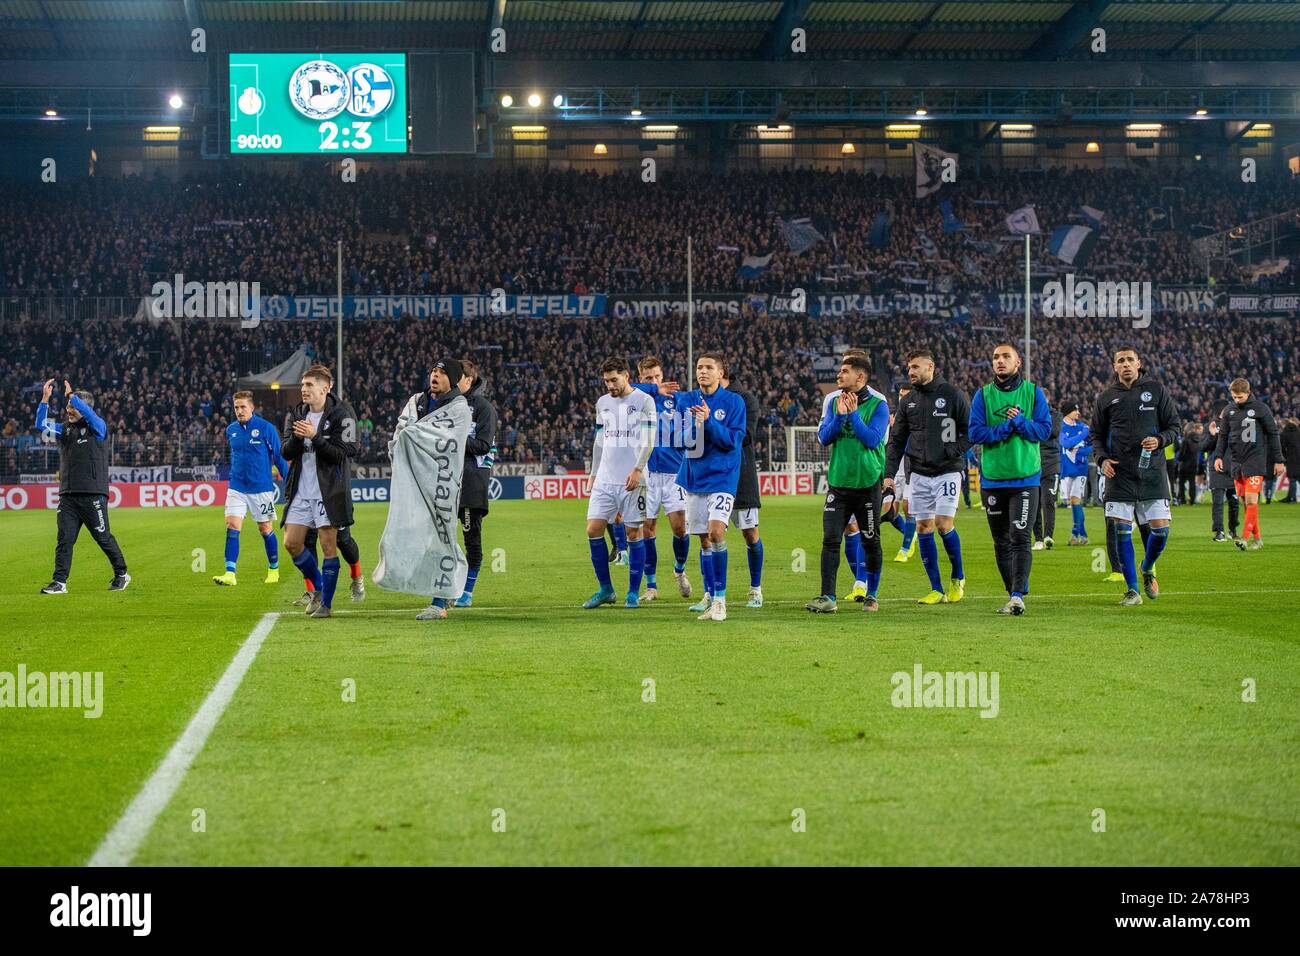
(199,473)
(518,468)
(25,479)
(145,473)
(278,307)
(372,471)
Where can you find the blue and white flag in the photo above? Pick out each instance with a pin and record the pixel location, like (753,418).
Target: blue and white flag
(1024,221)
(931,163)
(1093,216)
(928,248)
(800,233)
(751,267)
(951,223)
(878,235)
(1072,244)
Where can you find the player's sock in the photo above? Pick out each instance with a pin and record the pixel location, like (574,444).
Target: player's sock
(706,569)
(600,561)
(272,550)
(899,522)
(873,582)
(651,559)
(930,559)
(1251,526)
(232,548)
(355,569)
(1156,542)
(853,552)
(720,569)
(1077,511)
(1145,531)
(635,565)
(470,580)
(952,544)
(909,532)
(681,551)
(1124,548)
(331,575)
(306,562)
(756,564)
(439,602)
(620,537)
(1112,547)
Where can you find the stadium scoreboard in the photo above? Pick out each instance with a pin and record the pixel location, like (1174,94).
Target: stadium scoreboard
(323,103)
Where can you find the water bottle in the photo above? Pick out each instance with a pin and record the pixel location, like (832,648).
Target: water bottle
(1145,460)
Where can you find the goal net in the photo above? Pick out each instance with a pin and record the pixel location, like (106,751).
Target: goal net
(804,455)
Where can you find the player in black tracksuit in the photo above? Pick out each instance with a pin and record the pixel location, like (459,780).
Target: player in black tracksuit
(1223,489)
(330,449)
(1134,419)
(1248,429)
(83,485)
(480,452)
(930,429)
(744,514)
(1045,520)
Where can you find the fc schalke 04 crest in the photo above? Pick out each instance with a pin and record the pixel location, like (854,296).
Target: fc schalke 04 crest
(370,90)
(318,90)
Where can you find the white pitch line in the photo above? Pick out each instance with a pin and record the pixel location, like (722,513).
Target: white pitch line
(130,831)
(1031,600)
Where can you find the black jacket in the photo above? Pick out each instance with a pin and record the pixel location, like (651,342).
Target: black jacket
(1257,455)
(83,460)
(1050,451)
(1189,455)
(1291,450)
(747,487)
(918,430)
(480,450)
(334,443)
(1220,480)
(1123,417)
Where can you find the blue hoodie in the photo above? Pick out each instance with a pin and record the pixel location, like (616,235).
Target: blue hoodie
(1035,427)
(718,467)
(1079,437)
(254,447)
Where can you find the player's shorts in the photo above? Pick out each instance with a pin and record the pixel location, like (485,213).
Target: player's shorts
(703,508)
(260,504)
(1248,486)
(609,500)
(900,485)
(744,518)
(1076,486)
(1144,511)
(309,512)
(663,491)
(929,496)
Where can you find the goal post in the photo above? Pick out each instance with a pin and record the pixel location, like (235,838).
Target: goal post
(804,454)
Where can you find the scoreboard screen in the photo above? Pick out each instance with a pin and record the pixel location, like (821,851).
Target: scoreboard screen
(318,103)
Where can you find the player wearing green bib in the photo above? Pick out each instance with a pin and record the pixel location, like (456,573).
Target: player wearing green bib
(854,428)
(1009,417)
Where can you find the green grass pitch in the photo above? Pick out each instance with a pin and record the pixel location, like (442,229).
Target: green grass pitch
(529,712)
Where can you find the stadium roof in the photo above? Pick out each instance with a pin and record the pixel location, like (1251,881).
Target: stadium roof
(662,29)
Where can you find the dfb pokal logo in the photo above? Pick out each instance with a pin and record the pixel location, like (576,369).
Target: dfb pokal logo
(318,90)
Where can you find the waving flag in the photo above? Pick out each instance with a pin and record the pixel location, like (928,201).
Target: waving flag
(1024,221)
(751,267)
(1072,244)
(929,168)
(1094,216)
(951,223)
(800,233)
(878,235)
(928,248)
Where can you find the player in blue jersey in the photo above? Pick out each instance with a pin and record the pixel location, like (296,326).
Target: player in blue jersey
(254,448)
(662,490)
(1076,451)
(713,437)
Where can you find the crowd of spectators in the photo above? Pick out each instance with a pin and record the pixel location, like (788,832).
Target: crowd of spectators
(562,231)
(166,389)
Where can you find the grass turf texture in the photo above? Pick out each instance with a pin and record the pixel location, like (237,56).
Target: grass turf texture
(529,704)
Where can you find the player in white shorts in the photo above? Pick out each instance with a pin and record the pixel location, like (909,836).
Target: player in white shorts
(254,450)
(663,490)
(625,436)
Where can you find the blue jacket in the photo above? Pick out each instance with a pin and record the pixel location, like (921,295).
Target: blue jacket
(254,447)
(666,459)
(872,434)
(97,425)
(1079,437)
(1036,427)
(716,464)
